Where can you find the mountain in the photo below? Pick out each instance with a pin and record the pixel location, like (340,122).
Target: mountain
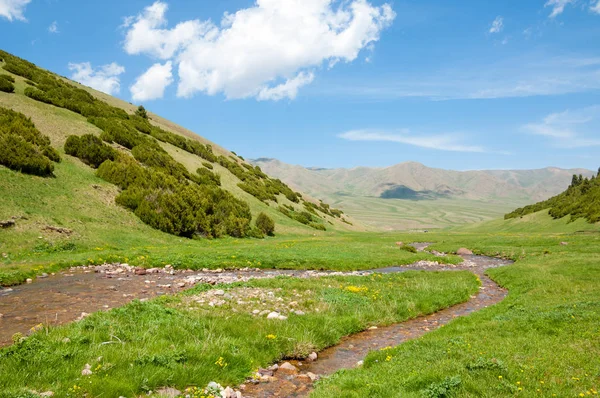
(414,189)
(74,159)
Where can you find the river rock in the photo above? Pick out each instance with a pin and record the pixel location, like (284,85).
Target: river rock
(303,377)
(287,367)
(87,370)
(312,357)
(265,372)
(298,312)
(273,315)
(29,280)
(219,292)
(312,376)
(464,251)
(140,271)
(43,275)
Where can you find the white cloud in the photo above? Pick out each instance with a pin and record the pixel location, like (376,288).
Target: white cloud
(13,9)
(289,89)
(443,142)
(152,83)
(595,7)
(570,129)
(53,28)
(497,25)
(105,78)
(266,51)
(558,6)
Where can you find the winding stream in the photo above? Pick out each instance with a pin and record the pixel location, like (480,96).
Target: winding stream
(71,294)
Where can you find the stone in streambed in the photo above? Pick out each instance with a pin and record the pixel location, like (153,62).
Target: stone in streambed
(464,252)
(287,367)
(312,357)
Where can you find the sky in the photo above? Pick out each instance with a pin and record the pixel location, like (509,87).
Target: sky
(463,85)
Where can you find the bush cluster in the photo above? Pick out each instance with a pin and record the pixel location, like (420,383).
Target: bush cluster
(580,200)
(208,177)
(6,84)
(176,206)
(23,147)
(303,217)
(90,149)
(265,224)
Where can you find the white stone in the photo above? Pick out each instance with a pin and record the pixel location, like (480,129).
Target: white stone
(273,315)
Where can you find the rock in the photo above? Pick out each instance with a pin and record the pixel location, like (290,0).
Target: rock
(312,376)
(181,285)
(564,243)
(87,370)
(83,315)
(264,312)
(47,394)
(273,367)
(164,286)
(273,315)
(60,230)
(219,292)
(29,280)
(43,275)
(282,317)
(113,288)
(463,252)
(298,312)
(168,392)
(287,367)
(265,372)
(303,377)
(373,328)
(7,224)
(256,312)
(228,393)
(360,363)
(312,357)
(140,271)
(168,266)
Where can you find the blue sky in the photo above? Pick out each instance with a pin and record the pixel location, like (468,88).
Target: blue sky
(457,85)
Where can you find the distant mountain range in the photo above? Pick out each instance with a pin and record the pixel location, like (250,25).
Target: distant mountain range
(461,196)
(415,181)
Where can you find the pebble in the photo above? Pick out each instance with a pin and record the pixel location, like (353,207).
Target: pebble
(360,363)
(312,356)
(273,315)
(47,394)
(312,376)
(29,280)
(373,328)
(87,370)
(219,292)
(43,275)
(288,367)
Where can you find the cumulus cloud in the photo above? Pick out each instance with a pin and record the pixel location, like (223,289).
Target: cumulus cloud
(152,83)
(13,9)
(571,128)
(105,78)
(558,6)
(497,25)
(267,51)
(443,142)
(53,28)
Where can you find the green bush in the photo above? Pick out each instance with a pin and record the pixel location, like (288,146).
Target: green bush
(8,78)
(208,165)
(141,112)
(206,176)
(22,146)
(6,86)
(90,149)
(265,224)
(408,248)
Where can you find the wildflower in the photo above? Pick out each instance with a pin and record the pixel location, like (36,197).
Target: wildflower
(221,362)
(500,377)
(271,337)
(388,358)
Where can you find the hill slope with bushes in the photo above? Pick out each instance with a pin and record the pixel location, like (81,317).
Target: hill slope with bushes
(89,163)
(580,200)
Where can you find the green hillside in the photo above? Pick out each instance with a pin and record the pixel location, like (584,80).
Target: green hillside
(580,200)
(83,173)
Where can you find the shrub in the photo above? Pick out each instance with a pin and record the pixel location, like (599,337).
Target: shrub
(8,78)
(318,226)
(265,224)
(206,176)
(408,248)
(141,112)
(20,155)
(23,147)
(208,165)
(6,86)
(90,149)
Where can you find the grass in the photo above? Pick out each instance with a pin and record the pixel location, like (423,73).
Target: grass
(176,342)
(542,340)
(402,214)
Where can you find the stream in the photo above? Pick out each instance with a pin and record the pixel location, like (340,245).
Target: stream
(73,294)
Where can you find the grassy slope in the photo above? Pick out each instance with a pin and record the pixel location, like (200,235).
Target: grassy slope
(170,341)
(542,340)
(76,199)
